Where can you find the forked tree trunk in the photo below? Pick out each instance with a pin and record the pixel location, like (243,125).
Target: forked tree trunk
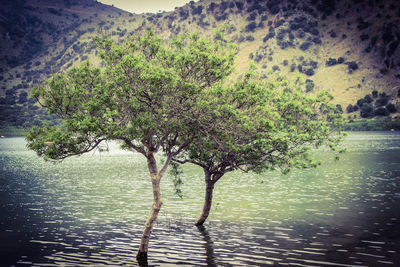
(155,209)
(207,200)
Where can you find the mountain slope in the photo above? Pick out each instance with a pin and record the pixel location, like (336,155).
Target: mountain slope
(350,48)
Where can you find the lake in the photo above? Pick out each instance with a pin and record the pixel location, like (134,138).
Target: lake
(90,210)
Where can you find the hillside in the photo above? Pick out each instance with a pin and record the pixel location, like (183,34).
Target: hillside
(350,48)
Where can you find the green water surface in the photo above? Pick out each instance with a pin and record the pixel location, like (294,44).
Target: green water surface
(91,210)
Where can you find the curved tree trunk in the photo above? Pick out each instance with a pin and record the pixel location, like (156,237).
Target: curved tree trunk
(207,200)
(151,219)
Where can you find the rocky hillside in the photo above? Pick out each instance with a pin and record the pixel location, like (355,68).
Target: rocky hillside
(350,48)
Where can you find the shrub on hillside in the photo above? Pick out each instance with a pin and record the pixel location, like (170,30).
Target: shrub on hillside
(350,108)
(331,62)
(284,44)
(23,97)
(391,108)
(252,17)
(255,7)
(250,27)
(317,40)
(211,7)
(281,35)
(382,111)
(279,23)
(224,6)
(362,24)
(368,99)
(222,17)
(275,68)
(309,71)
(313,64)
(249,38)
(239,5)
(305,45)
(352,66)
(273,6)
(332,34)
(197,10)
(300,68)
(270,35)
(367,110)
(10,99)
(360,102)
(300,34)
(293,25)
(382,101)
(327,7)
(364,37)
(339,109)
(309,85)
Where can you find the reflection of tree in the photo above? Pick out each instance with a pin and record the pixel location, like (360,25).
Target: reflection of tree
(209,245)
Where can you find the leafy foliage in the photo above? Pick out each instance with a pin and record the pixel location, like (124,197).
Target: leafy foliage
(253,125)
(147,97)
(375,104)
(175,171)
(142,97)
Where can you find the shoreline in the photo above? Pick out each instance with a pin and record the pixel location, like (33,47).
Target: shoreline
(352,125)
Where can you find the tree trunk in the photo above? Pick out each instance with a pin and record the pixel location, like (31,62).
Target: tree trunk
(151,219)
(207,200)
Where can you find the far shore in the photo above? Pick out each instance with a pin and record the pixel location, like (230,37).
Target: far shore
(352,125)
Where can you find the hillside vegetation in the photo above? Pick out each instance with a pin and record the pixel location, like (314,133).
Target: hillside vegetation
(350,48)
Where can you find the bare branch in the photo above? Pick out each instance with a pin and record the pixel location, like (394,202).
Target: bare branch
(166,163)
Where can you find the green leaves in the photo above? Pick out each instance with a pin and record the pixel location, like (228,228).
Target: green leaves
(259,125)
(173,96)
(147,95)
(175,171)
(55,143)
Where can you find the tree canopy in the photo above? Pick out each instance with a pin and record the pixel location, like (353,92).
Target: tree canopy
(256,125)
(143,96)
(146,96)
(173,97)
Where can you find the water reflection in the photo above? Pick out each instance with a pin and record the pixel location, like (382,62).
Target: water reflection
(208,245)
(91,211)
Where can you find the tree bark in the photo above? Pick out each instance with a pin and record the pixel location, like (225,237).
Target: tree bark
(155,209)
(207,200)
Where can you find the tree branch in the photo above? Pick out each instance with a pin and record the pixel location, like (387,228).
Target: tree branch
(135,147)
(89,148)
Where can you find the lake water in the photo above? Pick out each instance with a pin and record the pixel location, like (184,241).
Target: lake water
(90,210)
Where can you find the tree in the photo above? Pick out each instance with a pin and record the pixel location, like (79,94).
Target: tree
(367,110)
(350,108)
(146,97)
(391,107)
(257,126)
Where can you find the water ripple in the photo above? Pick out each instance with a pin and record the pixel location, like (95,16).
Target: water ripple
(91,211)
